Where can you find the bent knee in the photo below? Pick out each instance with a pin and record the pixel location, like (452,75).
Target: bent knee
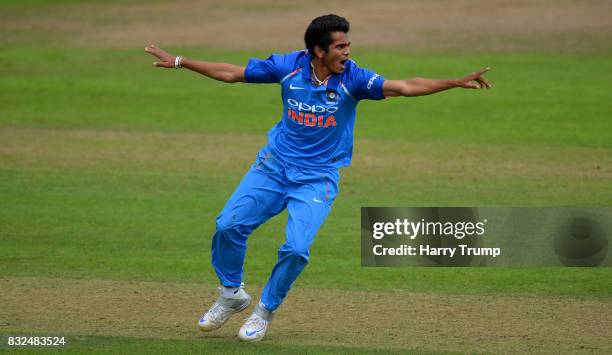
(241,213)
(296,253)
(224,224)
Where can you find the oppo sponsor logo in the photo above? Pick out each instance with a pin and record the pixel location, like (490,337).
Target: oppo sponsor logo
(371,81)
(300,106)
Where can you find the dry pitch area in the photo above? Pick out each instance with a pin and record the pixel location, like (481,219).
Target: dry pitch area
(199,153)
(413,26)
(385,320)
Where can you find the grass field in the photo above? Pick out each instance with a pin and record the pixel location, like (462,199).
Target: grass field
(112,172)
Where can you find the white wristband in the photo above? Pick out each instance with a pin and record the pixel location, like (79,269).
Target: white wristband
(177,62)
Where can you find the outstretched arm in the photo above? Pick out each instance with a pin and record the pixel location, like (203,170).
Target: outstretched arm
(228,73)
(422,86)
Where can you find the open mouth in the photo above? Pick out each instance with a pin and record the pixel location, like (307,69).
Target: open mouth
(343,62)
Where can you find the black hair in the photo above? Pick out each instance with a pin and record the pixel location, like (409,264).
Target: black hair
(320,29)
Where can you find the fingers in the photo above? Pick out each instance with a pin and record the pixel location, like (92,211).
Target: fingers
(486,83)
(484,71)
(166,61)
(483,83)
(472,85)
(153,50)
(477,81)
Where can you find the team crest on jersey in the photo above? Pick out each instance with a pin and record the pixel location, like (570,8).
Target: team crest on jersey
(331,95)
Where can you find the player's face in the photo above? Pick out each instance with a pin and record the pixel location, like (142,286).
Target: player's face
(337,53)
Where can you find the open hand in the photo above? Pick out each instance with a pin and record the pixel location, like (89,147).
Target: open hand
(475,80)
(166,60)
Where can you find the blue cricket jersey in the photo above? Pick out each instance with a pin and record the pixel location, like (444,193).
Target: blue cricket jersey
(316,129)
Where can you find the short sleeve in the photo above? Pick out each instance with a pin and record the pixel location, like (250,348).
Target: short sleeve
(270,70)
(364,84)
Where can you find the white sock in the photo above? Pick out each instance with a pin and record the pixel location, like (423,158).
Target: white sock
(229,292)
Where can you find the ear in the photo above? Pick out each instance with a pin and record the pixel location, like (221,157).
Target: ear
(319,52)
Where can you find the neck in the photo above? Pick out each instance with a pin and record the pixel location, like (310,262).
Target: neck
(319,71)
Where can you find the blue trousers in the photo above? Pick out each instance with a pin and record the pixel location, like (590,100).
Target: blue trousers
(269,187)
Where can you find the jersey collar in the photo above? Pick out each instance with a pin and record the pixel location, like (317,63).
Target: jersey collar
(332,82)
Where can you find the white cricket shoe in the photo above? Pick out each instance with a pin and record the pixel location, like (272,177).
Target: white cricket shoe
(223,309)
(255,327)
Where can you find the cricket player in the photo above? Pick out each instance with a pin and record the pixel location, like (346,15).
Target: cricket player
(298,168)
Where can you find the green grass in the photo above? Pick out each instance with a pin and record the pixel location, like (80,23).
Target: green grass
(128,219)
(92,222)
(537,99)
(157,227)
